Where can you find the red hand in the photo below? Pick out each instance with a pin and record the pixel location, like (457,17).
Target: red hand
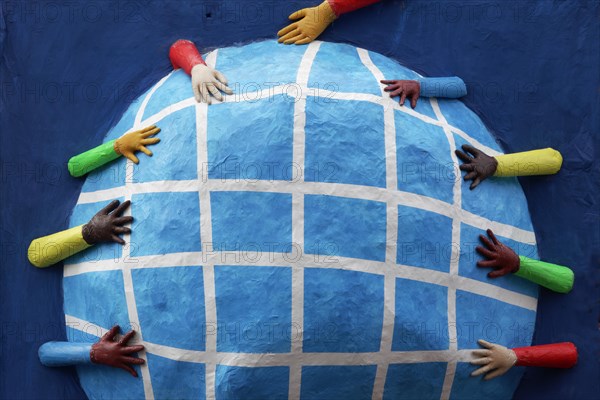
(116,354)
(499,257)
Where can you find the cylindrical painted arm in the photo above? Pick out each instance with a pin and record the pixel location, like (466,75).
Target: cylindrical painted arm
(60,354)
(49,250)
(535,162)
(552,276)
(184,54)
(340,7)
(451,87)
(556,355)
(85,162)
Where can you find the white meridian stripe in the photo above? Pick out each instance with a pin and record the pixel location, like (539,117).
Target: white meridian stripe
(280,359)
(318,188)
(252,257)
(456,221)
(206,235)
(299,142)
(389,289)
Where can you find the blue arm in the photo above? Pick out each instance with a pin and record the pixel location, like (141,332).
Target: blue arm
(451,87)
(60,354)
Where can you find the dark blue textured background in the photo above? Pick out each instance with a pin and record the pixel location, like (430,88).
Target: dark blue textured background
(69,70)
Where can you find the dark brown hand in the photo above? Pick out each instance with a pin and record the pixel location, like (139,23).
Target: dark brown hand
(404,89)
(106,225)
(499,257)
(478,167)
(116,354)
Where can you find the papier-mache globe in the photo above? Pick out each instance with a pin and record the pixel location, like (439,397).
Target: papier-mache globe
(307,238)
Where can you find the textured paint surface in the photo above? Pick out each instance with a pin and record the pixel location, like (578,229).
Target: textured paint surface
(165,371)
(343,311)
(524,102)
(265,295)
(241,383)
(335,382)
(171,307)
(414,381)
(415,328)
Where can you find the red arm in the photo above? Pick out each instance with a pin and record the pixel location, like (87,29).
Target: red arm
(344,6)
(184,54)
(557,355)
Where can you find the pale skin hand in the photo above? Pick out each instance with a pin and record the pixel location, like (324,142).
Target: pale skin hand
(495,359)
(208,83)
(134,141)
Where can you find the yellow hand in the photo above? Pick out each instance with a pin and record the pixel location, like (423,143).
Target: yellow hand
(134,141)
(311,23)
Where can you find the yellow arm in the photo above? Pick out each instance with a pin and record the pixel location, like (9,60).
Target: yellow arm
(536,162)
(49,250)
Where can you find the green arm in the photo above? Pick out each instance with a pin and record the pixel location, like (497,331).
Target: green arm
(85,162)
(554,277)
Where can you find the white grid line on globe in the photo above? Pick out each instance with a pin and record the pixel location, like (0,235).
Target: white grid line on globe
(284,260)
(318,188)
(277,359)
(208,269)
(389,289)
(457,205)
(530,302)
(299,148)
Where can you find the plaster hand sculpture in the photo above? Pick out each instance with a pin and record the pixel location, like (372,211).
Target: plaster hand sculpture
(313,21)
(450,87)
(107,351)
(105,226)
(504,261)
(496,360)
(206,81)
(126,145)
(480,166)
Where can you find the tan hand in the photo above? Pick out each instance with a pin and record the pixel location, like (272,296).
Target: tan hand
(311,23)
(134,141)
(495,358)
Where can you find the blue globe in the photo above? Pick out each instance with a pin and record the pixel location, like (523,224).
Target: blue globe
(307,238)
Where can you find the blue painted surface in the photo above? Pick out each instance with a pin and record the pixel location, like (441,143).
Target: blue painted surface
(338,226)
(331,152)
(467,263)
(265,153)
(84,292)
(335,382)
(262,221)
(524,102)
(343,311)
(161,217)
(170,306)
(426,245)
(422,381)
(510,326)
(414,329)
(172,158)
(423,163)
(163,372)
(251,383)
(465,385)
(170,92)
(333,62)
(265,295)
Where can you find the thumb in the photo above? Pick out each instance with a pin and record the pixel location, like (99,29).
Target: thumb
(298,14)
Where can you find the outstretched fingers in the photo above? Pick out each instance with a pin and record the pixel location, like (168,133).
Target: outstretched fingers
(119,210)
(493,237)
(110,207)
(463,156)
(470,149)
(110,335)
(298,14)
(485,252)
(151,130)
(123,220)
(287,29)
(127,337)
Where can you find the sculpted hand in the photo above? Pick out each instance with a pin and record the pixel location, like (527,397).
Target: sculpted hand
(478,167)
(499,257)
(116,354)
(404,89)
(311,23)
(207,82)
(131,142)
(107,224)
(496,360)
